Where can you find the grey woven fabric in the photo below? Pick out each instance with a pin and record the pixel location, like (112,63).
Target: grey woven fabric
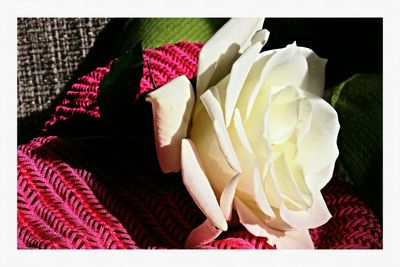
(49,50)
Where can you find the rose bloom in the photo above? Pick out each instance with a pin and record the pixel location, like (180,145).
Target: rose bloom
(256,143)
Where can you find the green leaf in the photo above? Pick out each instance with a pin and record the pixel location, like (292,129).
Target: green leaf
(358,102)
(118,88)
(155,32)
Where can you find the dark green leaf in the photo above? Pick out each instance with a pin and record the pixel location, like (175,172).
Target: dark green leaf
(118,88)
(155,32)
(358,102)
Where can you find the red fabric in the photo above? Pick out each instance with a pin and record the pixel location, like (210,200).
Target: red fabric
(74,194)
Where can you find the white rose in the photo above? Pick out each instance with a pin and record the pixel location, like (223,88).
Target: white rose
(257,138)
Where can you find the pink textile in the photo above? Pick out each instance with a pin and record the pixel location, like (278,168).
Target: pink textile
(111,194)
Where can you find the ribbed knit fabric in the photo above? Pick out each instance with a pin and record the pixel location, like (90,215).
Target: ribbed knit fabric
(74,194)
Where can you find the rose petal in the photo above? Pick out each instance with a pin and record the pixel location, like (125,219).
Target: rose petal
(282,68)
(215,112)
(284,115)
(254,224)
(219,92)
(199,187)
(239,130)
(291,182)
(278,222)
(171,116)
(215,163)
(220,51)
(257,128)
(288,67)
(239,72)
(272,191)
(318,180)
(295,239)
(304,121)
(260,36)
(202,235)
(314,81)
(316,216)
(250,186)
(226,200)
(254,83)
(318,147)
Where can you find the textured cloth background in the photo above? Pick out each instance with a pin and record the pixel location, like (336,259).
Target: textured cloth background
(49,51)
(109,193)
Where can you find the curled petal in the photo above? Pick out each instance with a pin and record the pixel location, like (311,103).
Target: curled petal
(250,186)
(171,115)
(282,68)
(314,217)
(220,51)
(314,81)
(237,77)
(284,115)
(304,119)
(319,179)
(227,196)
(254,224)
(260,36)
(257,129)
(203,135)
(254,83)
(199,187)
(288,67)
(215,112)
(294,239)
(291,183)
(201,235)
(318,148)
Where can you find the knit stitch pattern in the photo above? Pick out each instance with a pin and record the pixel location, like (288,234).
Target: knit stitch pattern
(76,195)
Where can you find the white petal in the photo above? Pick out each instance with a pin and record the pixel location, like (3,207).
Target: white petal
(282,68)
(238,75)
(294,239)
(212,105)
(226,200)
(203,135)
(254,224)
(220,51)
(199,187)
(278,222)
(215,112)
(254,83)
(241,133)
(250,186)
(284,115)
(287,67)
(318,180)
(288,182)
(274,195)
(306,219)
(171,116)
(315,79)
(202,235)
(260,36)
(305,117)
(318,147)
(257,125)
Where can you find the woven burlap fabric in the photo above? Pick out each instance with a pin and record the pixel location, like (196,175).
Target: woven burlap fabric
(49,50)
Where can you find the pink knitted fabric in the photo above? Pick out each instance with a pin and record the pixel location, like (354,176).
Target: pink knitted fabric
(75,195)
